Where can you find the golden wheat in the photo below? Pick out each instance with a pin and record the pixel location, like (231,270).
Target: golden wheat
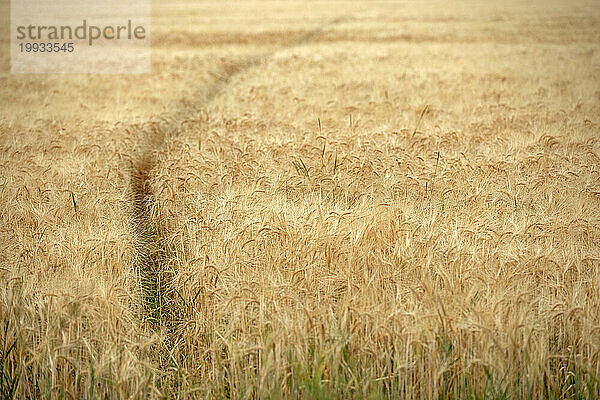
(311,200)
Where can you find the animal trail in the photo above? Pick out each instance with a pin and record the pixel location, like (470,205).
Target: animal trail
(152,252)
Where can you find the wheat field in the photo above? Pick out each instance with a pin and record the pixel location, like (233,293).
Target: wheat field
(310,200)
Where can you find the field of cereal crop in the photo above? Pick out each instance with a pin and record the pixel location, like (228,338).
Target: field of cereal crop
(321,199)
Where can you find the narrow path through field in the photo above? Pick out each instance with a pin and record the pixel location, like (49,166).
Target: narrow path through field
(152,252)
